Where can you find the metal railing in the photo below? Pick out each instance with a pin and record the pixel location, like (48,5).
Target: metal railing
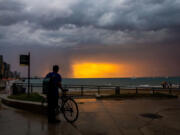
(92,90)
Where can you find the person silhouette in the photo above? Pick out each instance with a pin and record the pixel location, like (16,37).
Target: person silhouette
(53,93)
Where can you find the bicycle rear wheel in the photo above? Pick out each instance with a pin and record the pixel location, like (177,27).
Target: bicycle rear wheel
(70,110)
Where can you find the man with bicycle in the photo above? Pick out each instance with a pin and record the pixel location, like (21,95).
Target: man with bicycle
(54,84)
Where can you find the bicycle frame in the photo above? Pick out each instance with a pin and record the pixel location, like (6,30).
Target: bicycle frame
(65,107)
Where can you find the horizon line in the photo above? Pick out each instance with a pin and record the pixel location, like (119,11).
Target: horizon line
(110,77)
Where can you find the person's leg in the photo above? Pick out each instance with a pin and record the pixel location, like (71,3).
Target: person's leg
(50,111)
(52,104)
(55,105)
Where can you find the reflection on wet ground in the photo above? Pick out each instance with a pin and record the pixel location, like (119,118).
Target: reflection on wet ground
(98,117)
(19,122)
(88,100)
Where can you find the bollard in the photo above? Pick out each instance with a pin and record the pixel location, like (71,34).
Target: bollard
(170,91)
(82,90)
(98,90)
(31,88)
(153,91)
(117,91)
(136,90)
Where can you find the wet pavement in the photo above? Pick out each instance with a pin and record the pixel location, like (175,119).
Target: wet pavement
(100,117)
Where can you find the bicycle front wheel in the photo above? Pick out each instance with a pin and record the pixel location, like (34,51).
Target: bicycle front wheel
(70,110)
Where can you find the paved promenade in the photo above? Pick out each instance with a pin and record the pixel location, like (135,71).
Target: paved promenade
(100,117)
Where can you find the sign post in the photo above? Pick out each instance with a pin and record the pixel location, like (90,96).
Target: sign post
(25,60)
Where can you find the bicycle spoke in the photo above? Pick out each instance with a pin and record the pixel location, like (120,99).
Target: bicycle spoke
(70,110)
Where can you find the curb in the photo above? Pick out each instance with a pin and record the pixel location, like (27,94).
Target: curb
(34,107)
(25,105)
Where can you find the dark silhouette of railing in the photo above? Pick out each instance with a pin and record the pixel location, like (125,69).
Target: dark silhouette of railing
(92,90)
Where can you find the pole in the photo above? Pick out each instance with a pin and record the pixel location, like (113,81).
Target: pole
(170,91)
(82,90)
(136,90)
(29,74)
(98,90)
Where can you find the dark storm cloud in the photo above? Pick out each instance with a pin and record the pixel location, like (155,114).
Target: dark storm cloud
(131,15)
(140,32)
(91,22)
(10,5)
(11,12)
(125,15)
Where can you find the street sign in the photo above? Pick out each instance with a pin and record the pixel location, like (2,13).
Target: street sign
(24,60)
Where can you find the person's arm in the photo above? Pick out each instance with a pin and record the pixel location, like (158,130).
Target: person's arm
(60,85)
(59,82)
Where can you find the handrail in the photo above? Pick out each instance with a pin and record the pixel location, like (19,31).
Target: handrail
(99,88)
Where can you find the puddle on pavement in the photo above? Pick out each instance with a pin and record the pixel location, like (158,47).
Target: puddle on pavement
(151,115)
(82,101)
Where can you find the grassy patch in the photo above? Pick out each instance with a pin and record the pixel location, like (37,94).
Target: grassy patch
(132,95)
(35,97)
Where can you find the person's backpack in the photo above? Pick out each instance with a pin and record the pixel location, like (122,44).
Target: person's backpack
(48,83)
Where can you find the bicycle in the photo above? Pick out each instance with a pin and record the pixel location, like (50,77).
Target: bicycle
(68,106)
